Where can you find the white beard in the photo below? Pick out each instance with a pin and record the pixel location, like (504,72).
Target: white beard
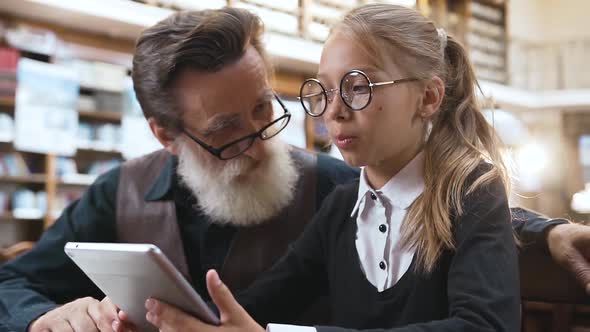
(250,200)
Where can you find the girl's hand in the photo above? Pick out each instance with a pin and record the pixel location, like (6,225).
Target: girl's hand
(233,317)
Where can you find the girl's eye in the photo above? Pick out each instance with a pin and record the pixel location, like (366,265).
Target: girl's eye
(360,89)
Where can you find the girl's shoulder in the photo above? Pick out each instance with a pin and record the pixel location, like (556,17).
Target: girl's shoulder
(484,180)
(484,192)
(338,205)
(344,195)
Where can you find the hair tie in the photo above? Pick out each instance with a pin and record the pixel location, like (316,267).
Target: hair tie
(442,35)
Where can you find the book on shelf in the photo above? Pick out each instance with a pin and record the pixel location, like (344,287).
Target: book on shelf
(102,166)
(8,65)
(64,197)
(87,103)
(28,204)
(68,172)
(64,166)
(99,137)
(4,203)
(13,164)
(78,179)
(96,75)
(32,213)
(8,60)
(30,39)
(6,128)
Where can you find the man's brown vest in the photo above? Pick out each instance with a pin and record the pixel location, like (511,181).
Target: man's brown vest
(253,249)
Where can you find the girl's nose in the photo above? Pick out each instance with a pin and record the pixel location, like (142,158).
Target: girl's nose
(336,110)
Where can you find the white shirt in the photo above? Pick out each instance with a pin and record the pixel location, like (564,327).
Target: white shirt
(379,216)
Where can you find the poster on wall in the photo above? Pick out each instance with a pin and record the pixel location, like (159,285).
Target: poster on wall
(46,118)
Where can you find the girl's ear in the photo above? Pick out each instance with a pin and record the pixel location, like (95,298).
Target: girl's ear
(434,92)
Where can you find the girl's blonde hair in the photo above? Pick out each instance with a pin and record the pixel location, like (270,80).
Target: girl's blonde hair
(460,138)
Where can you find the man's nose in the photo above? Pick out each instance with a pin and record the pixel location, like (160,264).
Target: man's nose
(258,150)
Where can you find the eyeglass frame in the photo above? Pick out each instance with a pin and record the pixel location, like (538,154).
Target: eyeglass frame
(258,134)
(325,91)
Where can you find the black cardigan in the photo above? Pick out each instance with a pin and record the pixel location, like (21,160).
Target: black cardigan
(473,288)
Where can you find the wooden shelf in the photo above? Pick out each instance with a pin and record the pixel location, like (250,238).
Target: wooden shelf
(77,180)
(6,217)
(9,217)
(98,150)
(97,147)
(493,3)
(101,116)
(89,88)
(491,35)
(24,179)
(485,19)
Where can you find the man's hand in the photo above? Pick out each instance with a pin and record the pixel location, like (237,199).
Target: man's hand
(83,315)
(569,245)
(233,317)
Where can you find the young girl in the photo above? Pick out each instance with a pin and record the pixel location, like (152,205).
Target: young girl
(423,241)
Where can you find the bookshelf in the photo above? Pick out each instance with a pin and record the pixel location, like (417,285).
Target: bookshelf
(28,179)
(40,181)
(481,25)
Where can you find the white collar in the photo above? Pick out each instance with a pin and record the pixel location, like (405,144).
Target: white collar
(401,190)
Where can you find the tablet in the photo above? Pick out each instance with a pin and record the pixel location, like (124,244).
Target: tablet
(129,274)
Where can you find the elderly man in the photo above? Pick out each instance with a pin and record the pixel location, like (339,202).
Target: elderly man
(222,192)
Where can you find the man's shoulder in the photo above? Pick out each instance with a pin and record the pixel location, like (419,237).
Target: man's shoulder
(335,169)
(108,182)
(111,177)
(105,187)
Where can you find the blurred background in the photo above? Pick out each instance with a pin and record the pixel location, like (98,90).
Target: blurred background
(68,112)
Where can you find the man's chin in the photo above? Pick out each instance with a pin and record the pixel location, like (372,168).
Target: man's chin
(242,178)
(248,175)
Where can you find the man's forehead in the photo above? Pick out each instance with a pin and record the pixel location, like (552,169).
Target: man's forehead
(225,107)
(228,102)
(248,71)
(240,85)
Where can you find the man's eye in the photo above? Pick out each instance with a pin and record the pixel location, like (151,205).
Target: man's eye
(223,129)
(263,109)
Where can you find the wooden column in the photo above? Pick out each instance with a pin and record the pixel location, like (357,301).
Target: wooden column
(424,7)
(50,189)
(304,18)
(440,12)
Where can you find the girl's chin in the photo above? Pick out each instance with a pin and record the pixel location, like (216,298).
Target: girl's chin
(353,160)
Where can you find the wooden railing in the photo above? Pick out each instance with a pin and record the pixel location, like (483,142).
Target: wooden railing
(550,66)
(308,19)
(479,24)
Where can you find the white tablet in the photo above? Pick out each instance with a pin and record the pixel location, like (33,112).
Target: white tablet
(129,274)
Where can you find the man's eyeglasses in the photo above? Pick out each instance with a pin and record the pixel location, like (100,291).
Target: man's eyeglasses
(356,91)
(240,145)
